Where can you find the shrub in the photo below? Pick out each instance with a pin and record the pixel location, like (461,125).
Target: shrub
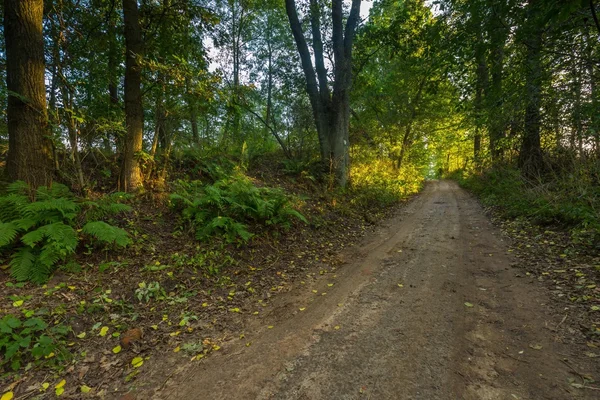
(227,206)
(31,339)
(39,233)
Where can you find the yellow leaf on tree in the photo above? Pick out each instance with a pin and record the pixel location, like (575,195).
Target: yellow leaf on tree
(137,362)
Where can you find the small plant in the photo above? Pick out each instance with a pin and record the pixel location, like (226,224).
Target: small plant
(30,340)
(148,291)
(39,233)
(227,206)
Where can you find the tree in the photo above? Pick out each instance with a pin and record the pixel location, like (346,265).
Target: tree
(30,148)
(331,108)
(131,174)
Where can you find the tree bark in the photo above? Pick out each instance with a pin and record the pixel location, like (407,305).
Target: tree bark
(331,111)
(30,147)
(131,174)
(530,156)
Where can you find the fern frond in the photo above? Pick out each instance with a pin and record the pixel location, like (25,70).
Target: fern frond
(59,233)
(63,207)
(18,187)
(106,233)
(22,264)
(11,206)
(8,233)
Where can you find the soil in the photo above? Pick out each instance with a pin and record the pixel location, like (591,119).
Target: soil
(429,306)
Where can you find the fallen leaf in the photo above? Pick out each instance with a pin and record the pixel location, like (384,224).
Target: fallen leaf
(18,303)
(60,384)
(85,389)
(177,349)
(536,346)
(302,308)
(137,362)
(81,335)
(116,350)
(45,386)
(400,285)
(270,326)
(103,331)
(468,304)
(7,396)
(337,327)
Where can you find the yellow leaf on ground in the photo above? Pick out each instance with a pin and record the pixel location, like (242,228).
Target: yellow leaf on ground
(176,349)
(117,350)
(45,386)
(18,303)
(302,308)
(103,331)
(137,362)
(7,396)
(81,335)
(85,389)
(60,384)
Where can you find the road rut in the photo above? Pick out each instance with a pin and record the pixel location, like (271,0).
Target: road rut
(428,307)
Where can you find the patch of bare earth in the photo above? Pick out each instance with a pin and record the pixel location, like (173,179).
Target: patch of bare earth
(427,307)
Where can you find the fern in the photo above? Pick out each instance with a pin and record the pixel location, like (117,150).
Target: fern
(8,233)
(22,264)
(43,232)
(225,207)
(106,233)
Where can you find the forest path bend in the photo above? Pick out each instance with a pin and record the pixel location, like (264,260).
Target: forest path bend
(427,308)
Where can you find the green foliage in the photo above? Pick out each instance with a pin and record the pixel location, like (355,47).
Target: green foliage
(227,206)
(147,291)
(30,340)
(568,200)
(38,234)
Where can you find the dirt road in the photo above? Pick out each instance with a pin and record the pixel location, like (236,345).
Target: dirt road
(429,307)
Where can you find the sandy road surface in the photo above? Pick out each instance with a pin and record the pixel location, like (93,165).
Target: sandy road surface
(395,324)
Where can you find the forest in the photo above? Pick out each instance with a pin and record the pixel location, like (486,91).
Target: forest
(167,163)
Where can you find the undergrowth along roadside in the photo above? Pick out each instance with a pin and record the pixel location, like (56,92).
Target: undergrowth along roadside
(170,293)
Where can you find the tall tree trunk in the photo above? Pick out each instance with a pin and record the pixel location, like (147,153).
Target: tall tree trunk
(331,112)
(113,79)
(131,174)
(495,103)
(29,145)
(481,87)
(530,156)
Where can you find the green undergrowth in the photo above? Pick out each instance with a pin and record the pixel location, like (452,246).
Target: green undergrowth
(42,228)
(227,207)
(570,201)
(378,182)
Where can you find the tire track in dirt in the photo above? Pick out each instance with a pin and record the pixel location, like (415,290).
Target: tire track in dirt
(395,324)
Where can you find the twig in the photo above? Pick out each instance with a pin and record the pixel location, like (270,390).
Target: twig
(573,370)
(560,323)
(515,358)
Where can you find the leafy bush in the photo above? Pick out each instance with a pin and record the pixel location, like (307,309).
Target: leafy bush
(31,339)
(38,234)
(227,206)
(376,181)
(571,201)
